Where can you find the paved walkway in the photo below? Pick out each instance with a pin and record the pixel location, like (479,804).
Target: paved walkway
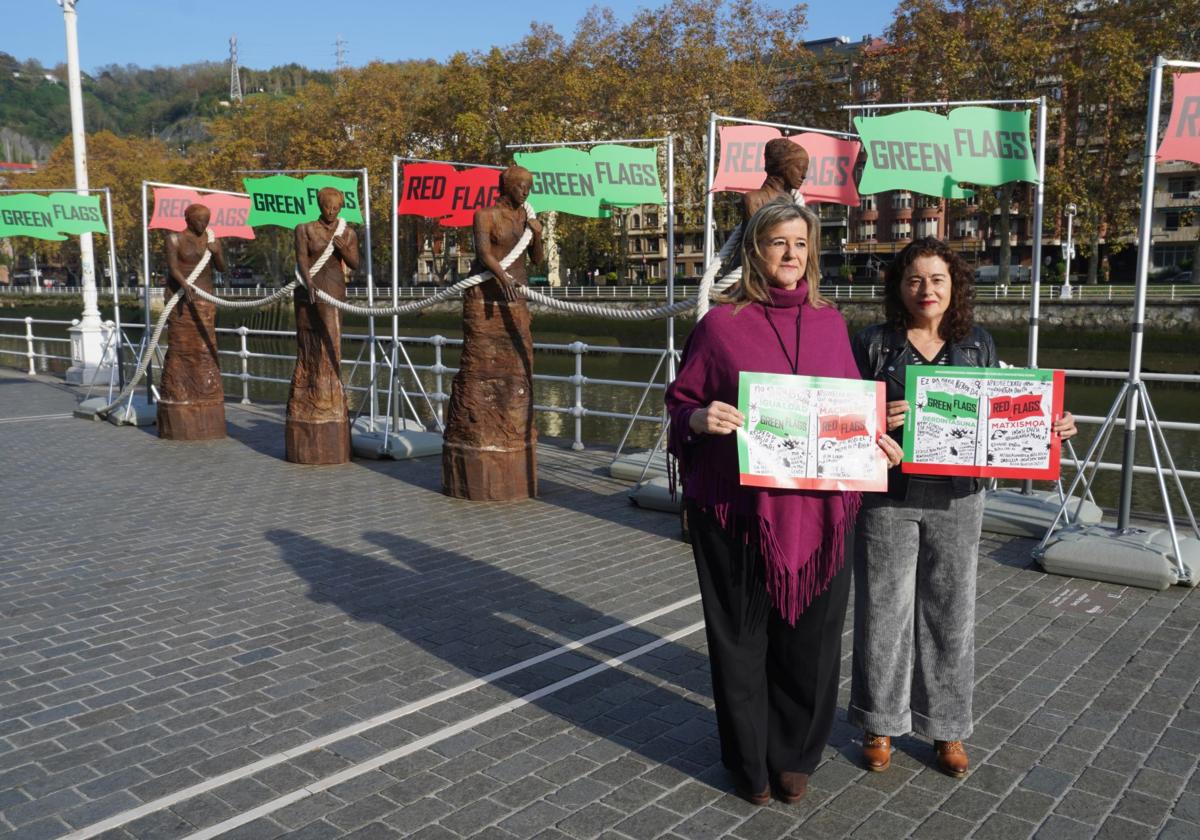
(202,640)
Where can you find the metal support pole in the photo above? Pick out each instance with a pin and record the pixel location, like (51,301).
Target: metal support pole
(393,211)
(710,174)
(146,298)
(29,343)
(1039,207)
(116,293)
(244,355)
(366,204)
(439,369)
(1125,506)
(671,253)
(578,348)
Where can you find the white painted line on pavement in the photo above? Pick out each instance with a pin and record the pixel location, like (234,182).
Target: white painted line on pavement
(266,762)
(388,757)
(34,417)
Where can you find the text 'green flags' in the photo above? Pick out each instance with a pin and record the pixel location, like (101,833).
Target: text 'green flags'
(931,154)
(589,183)
(286,201)
(50,216)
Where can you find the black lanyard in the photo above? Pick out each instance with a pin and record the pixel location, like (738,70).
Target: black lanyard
(794,363)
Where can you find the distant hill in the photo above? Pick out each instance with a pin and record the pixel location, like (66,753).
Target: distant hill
(168,102)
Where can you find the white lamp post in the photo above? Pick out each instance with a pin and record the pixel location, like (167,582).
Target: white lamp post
(87,335)
(1069,248)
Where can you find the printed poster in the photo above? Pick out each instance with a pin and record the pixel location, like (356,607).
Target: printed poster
(810,432)
(982,422)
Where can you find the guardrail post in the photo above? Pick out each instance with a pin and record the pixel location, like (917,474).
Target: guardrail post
(29,343)
(244,354)
(438,370)
(578,348)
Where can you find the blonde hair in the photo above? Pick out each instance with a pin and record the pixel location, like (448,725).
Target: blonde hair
(754,287)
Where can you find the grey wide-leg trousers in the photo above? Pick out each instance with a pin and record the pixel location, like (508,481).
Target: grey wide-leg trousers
(914,612)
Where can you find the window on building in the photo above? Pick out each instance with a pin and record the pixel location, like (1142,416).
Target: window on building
(637,220)
(902,200)
(651,220)
(927,227)
(1172,222)
(866,232)
(1181,187)
(967,228)
(867,203)
(901,231)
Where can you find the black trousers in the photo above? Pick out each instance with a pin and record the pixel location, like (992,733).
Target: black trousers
(774,685)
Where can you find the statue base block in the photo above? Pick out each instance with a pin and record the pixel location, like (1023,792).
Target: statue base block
(191,421)
(489,474)
(309,442)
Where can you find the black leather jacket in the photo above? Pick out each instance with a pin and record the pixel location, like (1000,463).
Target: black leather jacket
(881,352)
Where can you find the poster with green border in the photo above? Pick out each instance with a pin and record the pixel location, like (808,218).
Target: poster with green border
(810,432)
(982,422)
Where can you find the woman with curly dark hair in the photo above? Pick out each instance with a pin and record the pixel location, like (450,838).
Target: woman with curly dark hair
(917,546)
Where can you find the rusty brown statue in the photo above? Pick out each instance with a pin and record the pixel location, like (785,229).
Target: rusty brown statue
(786,164)
(489,452)
(191,403)
(318,425)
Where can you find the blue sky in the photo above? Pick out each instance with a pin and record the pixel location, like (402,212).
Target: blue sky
(270,32)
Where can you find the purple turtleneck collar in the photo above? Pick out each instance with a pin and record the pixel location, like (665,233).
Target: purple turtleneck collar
(788,298)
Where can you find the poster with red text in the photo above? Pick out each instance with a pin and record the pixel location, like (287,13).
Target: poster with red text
(831,162)
(439,191)
(982,422)
(810,432)
(1182,140)
(228,213)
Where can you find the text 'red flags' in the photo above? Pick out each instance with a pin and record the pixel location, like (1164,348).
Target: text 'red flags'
(439,191)
(1182,140)
(831,162)
(228,214)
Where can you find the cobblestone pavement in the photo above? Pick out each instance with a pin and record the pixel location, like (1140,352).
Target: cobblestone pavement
(202,639)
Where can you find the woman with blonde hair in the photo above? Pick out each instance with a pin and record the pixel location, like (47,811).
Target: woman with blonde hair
(772,575)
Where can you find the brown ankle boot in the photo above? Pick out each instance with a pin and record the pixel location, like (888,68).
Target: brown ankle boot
(792,787)
(952,758)
(876,751)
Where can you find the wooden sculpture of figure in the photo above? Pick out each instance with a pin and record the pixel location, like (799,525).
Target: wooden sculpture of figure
(489,453)
(318,426)
(191,403)
(786,164)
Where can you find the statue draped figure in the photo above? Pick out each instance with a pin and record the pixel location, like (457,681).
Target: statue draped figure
(786,164)
(317,430)
(490,447)
(191,403)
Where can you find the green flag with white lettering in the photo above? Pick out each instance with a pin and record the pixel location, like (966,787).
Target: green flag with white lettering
(287,202)
(589,183)
(50,216)
(76,214)
(931,154)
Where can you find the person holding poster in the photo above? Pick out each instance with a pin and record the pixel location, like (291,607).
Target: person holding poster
(770,563)
(917,546)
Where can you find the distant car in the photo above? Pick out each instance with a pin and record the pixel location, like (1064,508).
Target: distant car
(1182,277)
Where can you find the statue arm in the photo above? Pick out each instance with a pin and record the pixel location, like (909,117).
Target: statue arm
(346,246)
(174,267)
(481,228)
(537,247)
(302,261)
(218,255)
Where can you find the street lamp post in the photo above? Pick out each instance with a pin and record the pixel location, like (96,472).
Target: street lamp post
(1069,248)
(87,336)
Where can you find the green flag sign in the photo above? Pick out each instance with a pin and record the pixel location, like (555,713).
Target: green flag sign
(931,154)
(589,183)
(287,202)
(951,406)
(50,216)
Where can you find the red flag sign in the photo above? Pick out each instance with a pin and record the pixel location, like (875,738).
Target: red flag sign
(439,191)
(1015,408)
(842,426)
(831,163)
(228,212)
(1182,140)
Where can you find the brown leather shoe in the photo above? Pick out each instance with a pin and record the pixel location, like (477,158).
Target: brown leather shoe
(876,751)
(761,798)
(952,758)
(792,787)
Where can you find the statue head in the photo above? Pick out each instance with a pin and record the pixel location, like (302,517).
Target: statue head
(787,160)
(515,184)
(331,201)
(197,216)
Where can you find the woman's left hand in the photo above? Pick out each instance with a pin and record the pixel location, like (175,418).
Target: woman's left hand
(1064,426)
(891,450)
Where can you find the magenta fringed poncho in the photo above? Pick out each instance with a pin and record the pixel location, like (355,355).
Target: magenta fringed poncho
(800,533)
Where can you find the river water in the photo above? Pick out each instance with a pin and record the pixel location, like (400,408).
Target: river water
(1091,350)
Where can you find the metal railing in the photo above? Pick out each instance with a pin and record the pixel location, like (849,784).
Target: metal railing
(243,371)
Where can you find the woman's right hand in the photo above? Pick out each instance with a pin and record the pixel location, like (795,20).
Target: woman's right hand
(717,418)
(896,410)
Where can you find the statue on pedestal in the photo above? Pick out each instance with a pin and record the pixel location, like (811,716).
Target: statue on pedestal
(191,403)
(786,164)
(317,430)
(490,447)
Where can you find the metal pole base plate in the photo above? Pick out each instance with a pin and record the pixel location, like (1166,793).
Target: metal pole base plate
(133,412)
(1138,557)
(1009,511)
(629,466)
(655,494)
(410,440)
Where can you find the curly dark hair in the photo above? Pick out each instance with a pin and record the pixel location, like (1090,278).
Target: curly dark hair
(960,316)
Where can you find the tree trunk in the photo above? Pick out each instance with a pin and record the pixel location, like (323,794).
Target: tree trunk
(1005,232)
(1093,275)
(550,242)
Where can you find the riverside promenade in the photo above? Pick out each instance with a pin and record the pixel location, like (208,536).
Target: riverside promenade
(202,640)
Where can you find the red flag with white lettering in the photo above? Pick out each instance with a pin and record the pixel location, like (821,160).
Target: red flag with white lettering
(439,191)
(1182,140)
